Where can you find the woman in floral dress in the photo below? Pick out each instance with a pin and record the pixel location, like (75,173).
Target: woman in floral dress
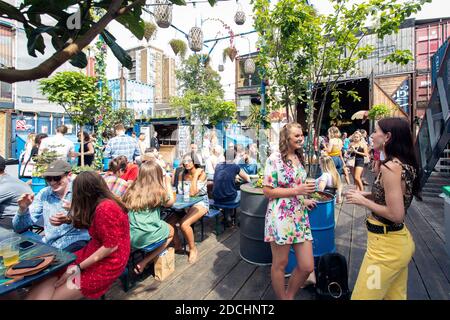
(287,220)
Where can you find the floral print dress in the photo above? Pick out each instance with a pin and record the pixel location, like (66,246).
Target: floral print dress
(287,219)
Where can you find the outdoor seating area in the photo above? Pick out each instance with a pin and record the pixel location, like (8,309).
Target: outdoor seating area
(225,150)
(222,274)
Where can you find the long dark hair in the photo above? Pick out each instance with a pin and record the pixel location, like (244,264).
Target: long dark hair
(401,146)
(89,189)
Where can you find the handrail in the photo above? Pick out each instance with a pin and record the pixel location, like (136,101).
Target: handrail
(434,132)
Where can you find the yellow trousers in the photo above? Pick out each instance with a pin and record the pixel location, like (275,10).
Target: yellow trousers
(384,270)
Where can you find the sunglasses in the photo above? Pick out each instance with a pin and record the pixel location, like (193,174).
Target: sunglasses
(187,161)
(56,179)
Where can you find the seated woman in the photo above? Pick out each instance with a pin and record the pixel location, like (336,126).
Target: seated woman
(131,169)
(195,178)
(330,180)
(117,185)
(143,199)
(104,258)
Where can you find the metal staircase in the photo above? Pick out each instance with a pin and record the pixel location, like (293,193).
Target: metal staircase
(434,133)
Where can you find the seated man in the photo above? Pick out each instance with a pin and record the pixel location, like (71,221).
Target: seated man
(11,189)
(51,205)
(225,190)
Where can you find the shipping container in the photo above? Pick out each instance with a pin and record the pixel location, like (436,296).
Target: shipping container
(403,40)
(429,37)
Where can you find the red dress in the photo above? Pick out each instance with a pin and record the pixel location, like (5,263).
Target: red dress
(109,228)
(131,172)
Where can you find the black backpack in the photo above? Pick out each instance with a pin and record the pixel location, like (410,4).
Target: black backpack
(332,278)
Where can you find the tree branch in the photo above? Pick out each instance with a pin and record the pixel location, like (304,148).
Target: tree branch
(46,68)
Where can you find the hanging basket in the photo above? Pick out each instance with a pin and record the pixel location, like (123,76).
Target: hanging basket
(239,18)
(149,30)
(229,52)
(163,13)
(221,68)
(195,39)
(249,66)
(178,46)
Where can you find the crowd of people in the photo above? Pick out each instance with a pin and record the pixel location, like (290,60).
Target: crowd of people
(390,245)
(102,216)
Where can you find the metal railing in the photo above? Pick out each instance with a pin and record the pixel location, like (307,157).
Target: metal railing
(434,132)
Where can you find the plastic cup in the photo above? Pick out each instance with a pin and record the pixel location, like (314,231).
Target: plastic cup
(10,250)
(186,190)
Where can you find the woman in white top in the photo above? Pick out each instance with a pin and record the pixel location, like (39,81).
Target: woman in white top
(330,180)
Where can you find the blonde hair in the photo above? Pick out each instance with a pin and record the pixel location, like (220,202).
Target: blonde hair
(327,165)
(334,132)
(147,191)
(284,141)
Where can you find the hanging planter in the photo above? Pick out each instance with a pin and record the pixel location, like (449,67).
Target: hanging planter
(195,38)
(149,30)
(229,52)
(221,68)
(239,18)
(163,13)
(249,66)
(178,46)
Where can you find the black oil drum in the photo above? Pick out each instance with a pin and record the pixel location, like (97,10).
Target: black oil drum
(253,249)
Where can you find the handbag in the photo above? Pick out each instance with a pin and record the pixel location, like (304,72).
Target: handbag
(165,264)
(351,162)
(366,160)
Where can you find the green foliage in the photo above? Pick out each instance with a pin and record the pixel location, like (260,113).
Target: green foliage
(77,93)
(30,12)
(79,169)
(303,52)
(256,119)
(195,76)
(178,46)
(206,108)
(42,161)
(401,57)
(149,30)
(379,111)
(229,52)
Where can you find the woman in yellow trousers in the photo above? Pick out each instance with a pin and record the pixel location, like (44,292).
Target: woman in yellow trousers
(390,246)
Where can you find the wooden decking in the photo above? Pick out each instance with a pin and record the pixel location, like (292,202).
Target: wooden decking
(221,274)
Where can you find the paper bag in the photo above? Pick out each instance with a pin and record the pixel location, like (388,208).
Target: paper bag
(165,264)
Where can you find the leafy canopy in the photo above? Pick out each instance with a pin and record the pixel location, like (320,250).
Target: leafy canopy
(70,32)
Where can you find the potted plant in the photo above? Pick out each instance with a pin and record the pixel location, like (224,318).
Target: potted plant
(379,111)
(229,52)
(41,163)
(149,30)
(178,46)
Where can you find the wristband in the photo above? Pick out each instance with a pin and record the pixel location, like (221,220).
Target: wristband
(79,267)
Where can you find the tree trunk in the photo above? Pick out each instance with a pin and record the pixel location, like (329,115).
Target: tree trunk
(82,145)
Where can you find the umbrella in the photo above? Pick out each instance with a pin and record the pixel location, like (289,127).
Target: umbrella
(360,115)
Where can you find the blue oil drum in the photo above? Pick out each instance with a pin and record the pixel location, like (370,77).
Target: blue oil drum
(37,184)
(321,219)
